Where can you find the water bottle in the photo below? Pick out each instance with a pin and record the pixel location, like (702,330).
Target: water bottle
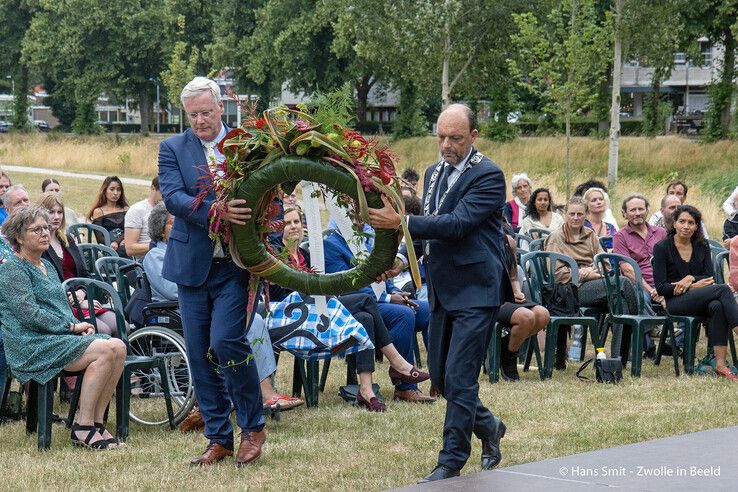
(575,350)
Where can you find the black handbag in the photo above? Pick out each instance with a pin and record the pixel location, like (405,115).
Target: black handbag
(606,370)
(561,299)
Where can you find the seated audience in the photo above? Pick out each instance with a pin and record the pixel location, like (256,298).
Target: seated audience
(66,259)
(597,204)
(402,315)
(730,205)
(679,189)
(662,218)
(581,244)
(5,183)
(51,184)
(636,240)
(516,209)
(525,318)
(160,225)
(733,262)
(136,235)
(41,335)
(109,210)
(684,275)
(730,226)
(363,307)
(540,213)
(411,177)
(595,183)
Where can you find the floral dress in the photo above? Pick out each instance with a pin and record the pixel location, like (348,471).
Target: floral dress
(35,317)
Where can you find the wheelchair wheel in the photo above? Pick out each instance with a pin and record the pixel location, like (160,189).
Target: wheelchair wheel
(147,396)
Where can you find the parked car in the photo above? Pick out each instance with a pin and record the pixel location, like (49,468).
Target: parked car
(5,126)
(41,125)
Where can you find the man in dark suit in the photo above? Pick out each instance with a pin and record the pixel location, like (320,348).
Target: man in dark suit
(212,290)
(462,248)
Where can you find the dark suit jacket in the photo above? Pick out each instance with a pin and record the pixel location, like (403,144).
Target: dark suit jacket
(669,267)
(465,266)
(182,164)
(79,264)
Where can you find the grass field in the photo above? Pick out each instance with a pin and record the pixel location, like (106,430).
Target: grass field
(646,165)
(339,447)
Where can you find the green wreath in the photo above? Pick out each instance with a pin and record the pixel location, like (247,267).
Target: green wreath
(282,147)
(253,252)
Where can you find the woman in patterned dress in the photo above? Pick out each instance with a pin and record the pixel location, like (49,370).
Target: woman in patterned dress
(41,335)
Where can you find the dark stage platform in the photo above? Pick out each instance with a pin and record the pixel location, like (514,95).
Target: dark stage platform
(699,461)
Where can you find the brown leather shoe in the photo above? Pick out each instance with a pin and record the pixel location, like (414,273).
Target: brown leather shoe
(213,454)
(413,395)
(193,422)
(250,447)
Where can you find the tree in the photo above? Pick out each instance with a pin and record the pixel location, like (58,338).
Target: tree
(564,60)
(15,17)
(89,48)
(617,68)
(181,69)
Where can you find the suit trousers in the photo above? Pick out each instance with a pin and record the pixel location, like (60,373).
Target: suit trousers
(457,347)
(713,301)
(214,316)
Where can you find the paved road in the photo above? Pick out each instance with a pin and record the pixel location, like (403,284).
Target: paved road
(53,172)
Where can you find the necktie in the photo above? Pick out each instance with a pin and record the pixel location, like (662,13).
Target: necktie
(210,155)
(443,183)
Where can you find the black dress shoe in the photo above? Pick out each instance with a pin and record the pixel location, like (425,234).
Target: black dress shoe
(491,454)
(439,473)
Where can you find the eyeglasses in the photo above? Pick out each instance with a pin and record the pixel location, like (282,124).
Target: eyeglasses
(40,229)
(204,114)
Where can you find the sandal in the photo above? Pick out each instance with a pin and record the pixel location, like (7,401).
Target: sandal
(112,442)
(89,441)
(726,373)
(285,402)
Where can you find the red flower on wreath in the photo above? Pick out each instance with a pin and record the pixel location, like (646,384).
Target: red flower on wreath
(260,124)
(356,145)
(233,133)
(386,166)
(302,126)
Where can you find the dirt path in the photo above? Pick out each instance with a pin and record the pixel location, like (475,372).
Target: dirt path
(55,172)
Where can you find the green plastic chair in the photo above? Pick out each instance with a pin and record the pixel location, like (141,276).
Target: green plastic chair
(107,269)
(608,265)
(606,243)
(540,267)
(89,233)
(721,263)
(148,367)
(91,253)
(538,233)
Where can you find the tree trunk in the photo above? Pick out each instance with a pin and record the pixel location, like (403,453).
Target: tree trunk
(20,100)
(363,87)
(144,107)
(727,78)
(445,95)
(612,161)
(567,118)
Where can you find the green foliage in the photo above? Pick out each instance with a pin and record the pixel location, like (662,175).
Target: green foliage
(410,120)
(335,107)
(500,131)
(181,67)
(655,112)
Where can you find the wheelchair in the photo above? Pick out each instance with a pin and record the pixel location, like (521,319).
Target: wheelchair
(156,331)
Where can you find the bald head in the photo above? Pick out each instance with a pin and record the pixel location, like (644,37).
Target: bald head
(457,132)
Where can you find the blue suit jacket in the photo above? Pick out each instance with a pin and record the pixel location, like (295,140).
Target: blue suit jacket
(182,164)
(465,267)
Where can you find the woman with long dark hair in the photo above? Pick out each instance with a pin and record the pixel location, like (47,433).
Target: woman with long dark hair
(109,209)
(540,213)
(684,274)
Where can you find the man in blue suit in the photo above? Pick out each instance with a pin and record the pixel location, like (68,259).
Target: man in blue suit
(213,291)
(402,315)
(462,248)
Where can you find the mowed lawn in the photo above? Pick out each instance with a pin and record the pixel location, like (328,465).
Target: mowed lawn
(340,447)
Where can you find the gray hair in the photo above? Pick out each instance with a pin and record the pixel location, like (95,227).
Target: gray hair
(157,221)
(16,224)
(9,191)
(634,196)
(197,86)
(518,177)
